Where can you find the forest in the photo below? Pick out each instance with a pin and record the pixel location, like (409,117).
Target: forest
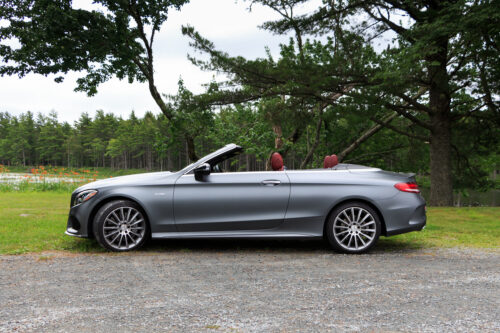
(428,102)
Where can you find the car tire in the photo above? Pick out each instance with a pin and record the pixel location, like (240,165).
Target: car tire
(353,227)
(121,226)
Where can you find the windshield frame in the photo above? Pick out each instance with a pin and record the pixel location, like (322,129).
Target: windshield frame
(226,150)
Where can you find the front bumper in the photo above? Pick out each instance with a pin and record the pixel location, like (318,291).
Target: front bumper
(78,218)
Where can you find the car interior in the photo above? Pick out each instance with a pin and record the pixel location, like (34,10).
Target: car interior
(230,162)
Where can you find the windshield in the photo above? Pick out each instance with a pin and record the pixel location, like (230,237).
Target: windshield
(230,148)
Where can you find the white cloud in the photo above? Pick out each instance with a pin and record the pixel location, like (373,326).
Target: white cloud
(225,22)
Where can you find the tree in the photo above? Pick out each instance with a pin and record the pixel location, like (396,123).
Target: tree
(306,81)
(56,38)
(440,69)
(448,48)
(51,140)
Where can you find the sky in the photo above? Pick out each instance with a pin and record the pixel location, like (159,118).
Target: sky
(227,23)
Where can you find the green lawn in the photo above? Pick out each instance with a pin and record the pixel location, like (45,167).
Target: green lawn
(35,222)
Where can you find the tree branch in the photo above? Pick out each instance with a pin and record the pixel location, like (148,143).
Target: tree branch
(413,101)
(365,136)
(403,112)
(397,130)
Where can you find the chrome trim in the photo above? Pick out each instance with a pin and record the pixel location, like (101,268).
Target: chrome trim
(70,231)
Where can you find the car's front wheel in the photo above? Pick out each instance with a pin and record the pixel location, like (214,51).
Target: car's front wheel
(353,227)
(121,226)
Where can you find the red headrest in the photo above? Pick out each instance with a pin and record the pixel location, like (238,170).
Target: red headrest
(330,161)
(276,162)
(334,160)
(327,163)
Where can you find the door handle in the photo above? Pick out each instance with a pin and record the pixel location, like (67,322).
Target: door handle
(270,182)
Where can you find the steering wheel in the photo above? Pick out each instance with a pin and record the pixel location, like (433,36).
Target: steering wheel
(216,168)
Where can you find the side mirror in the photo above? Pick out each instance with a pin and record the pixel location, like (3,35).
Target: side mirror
(201,171)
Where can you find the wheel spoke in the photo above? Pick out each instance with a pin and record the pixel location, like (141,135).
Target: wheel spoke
(339,219)
(110,220)
(348,218)
(133,217)
(367,236)
(128,214)
(111,233)
(341,227)
(368,223)
(114,239)
(342,241)
(359,215)
(139,221)
(365,217)
(116,216)
(350,240)
(133,233)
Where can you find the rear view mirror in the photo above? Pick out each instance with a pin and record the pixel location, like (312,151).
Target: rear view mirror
(202,170)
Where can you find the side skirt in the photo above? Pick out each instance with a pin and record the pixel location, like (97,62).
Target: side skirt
(232,234)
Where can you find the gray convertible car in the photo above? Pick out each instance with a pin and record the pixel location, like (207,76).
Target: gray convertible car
(349,205)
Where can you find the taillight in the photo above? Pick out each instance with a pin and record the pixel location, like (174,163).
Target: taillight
(407,187)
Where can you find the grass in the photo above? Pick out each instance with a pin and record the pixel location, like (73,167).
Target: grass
(472,227)
(35,222)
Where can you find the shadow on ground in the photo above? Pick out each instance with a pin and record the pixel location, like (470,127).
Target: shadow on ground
(246,245)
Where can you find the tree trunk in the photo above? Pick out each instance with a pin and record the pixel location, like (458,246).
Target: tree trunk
(440,154)
(190,149)
(278,132)
(310,153)
(440,117)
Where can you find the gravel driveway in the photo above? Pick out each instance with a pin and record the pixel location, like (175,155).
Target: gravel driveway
(252,286)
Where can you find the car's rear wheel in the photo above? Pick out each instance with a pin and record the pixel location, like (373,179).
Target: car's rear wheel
(353,227)
(121,226)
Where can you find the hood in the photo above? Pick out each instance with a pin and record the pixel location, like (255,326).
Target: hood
(141,178)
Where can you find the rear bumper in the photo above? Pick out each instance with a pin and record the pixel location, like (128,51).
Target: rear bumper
(404,213)
(415,227)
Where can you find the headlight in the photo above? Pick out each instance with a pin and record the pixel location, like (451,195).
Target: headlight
(84,196)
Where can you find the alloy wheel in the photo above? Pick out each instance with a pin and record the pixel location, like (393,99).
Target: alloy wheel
(124,228)
(354,228)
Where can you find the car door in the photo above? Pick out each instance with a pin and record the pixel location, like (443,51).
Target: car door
(231,201)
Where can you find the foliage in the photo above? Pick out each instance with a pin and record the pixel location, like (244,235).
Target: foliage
(56,38)
(116,146)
